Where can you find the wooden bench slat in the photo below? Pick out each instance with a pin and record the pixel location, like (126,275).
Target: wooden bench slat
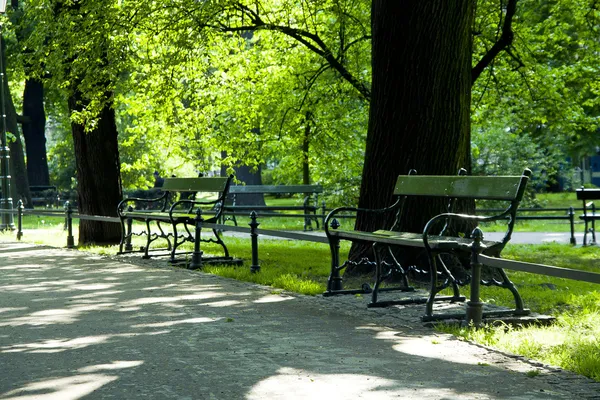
(276,189)
(480,187)
(406,239)
(588,194)
(213,184)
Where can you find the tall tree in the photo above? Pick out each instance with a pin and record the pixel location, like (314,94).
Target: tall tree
(34,132)
(80,47)
(420,108)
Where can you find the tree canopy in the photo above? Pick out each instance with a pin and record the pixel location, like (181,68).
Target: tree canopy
(287,84)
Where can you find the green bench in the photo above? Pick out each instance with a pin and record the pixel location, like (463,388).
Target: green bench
(308,208)
(177,217)
(442,247)
(44,195)
(589,216)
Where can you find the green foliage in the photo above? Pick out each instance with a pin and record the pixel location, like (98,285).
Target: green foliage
(257,80)
(541,93)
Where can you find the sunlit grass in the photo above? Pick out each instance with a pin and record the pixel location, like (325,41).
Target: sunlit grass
(573,341)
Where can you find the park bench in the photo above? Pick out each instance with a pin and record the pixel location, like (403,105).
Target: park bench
(44,195)
(181,214)
(442,246)
(308,208)
(589,216)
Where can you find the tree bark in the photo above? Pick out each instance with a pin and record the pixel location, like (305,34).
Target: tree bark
(249,176)
(98,174)
(420,108)
(34,127)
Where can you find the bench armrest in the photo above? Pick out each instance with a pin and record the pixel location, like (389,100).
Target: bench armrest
(123,203)
(463,217)
(189,206)
(336,211)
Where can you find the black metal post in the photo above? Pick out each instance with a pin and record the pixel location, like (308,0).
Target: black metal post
(255,267)
(20,219)
(573,241)
(128,234)
(593,225)
(196,261)
(323,215)
(69,220)
(335,280)
(474,311)
(6,201)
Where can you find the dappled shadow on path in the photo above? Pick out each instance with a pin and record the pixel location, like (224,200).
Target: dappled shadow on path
(76,326)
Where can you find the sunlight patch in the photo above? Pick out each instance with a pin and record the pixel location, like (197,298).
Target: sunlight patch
(63,344)
(94,286)
(8,309)
(199,320)
(112,366)
(438,347)
(155,300)
(291,383)
(71,388)
(273,298)
(46,317)
(224,303)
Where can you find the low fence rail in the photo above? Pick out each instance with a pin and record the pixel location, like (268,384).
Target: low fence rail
(253,231)
(568,214)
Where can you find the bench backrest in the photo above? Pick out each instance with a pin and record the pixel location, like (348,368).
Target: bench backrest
(276,189)
(213,184)
(588,194)
(509,188)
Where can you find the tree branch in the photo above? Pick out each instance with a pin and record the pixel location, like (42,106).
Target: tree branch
(311,40)
(502,43)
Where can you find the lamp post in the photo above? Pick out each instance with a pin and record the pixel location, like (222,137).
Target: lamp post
(6,200)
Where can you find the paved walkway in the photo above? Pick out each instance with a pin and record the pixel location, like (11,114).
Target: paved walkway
(80,326)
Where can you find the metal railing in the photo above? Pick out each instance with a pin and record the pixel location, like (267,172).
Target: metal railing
(568,214)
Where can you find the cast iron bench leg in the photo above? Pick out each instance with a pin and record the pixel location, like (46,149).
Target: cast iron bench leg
(148,239)
(334,282)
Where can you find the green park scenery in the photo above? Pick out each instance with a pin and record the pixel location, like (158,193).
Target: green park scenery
(348,94)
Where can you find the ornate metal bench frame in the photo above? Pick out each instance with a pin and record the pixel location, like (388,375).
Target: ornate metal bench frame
(183,216)
(433,240)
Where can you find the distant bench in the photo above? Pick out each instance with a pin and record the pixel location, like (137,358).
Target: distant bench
(44,195)
(182,216)
(308,208)
(589,216)
(440,242)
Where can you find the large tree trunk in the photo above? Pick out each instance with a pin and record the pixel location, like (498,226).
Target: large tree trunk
(420,108)
(249,176)
(34,126)
(98,175)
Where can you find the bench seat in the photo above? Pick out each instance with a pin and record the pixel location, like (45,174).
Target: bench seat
(409,239)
